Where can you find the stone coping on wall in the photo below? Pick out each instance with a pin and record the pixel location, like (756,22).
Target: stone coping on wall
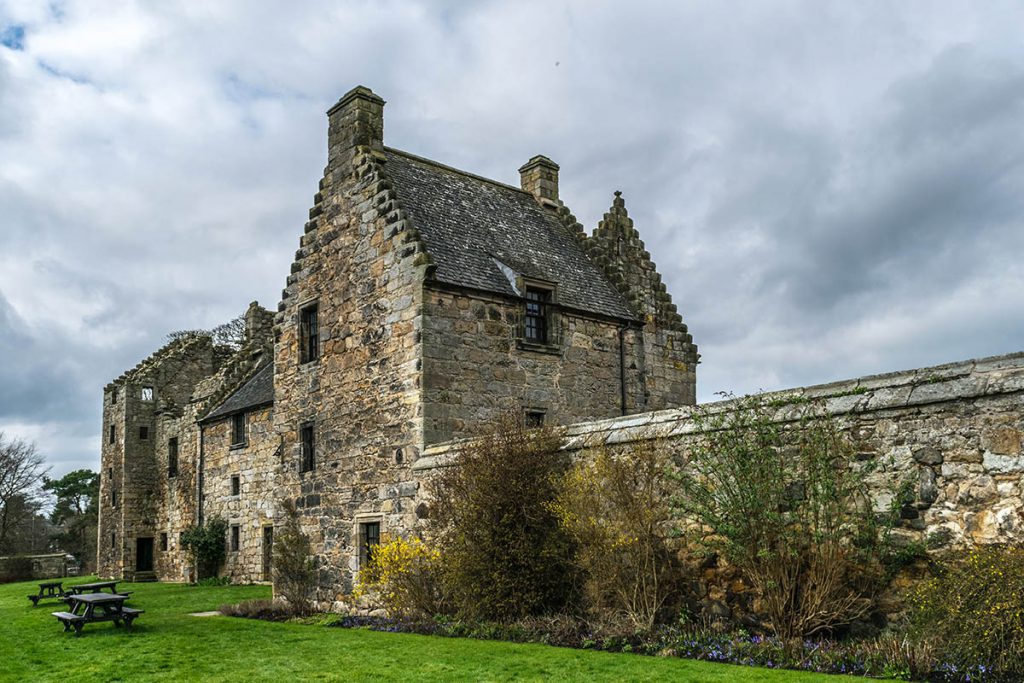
(964,380)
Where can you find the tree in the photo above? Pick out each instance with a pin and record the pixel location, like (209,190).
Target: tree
(22,470)
(75,512)
(207,546)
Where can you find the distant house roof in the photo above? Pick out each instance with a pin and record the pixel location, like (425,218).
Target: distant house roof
(257,391)
(471,226)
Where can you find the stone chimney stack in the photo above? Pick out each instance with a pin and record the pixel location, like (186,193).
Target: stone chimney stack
(356,120)
(539,177)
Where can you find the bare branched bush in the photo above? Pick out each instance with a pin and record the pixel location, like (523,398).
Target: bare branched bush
(616,507)
(781,502)
(293,568)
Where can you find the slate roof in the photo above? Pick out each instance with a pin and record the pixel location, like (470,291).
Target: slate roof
(467,222)
(257,391)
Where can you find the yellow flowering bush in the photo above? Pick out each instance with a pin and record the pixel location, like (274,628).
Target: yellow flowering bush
(402,576)
(974,609)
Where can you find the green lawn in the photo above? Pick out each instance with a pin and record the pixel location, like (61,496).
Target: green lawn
(168,644)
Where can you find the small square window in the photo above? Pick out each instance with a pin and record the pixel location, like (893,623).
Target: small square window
(534,419)
(143,433)
(113,434)
(147,393)
(236,485)
(369,539)
(235,538)
(239,425)
(163,542)
(172,457)
(308,440)
(309,334)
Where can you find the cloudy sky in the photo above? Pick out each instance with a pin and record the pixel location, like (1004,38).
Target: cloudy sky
(830,189)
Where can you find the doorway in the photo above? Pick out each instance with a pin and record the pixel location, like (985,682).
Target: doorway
(268,552)
(144,554)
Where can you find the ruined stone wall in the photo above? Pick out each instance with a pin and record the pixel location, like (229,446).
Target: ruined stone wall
(474,367)
(363,266)
(257,465)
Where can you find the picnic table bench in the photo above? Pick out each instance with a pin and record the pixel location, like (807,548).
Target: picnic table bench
(48,589)
(88,608)
(95,587)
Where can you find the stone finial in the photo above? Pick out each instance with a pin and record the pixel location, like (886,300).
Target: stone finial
(356,120)
(539,177)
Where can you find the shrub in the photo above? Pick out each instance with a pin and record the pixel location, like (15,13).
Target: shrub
(293,569)
(268,610)
(783,504)
(403,576)
(616,508)
(17,568)
(504,553)
(206,546)
(973,610)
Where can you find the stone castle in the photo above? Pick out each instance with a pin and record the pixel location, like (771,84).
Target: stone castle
(422,302)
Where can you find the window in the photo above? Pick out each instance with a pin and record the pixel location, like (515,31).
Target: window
(113,498)
(236,485)
(535,328)
(534,419)
(172,457)
(308,448)
(113,434)
(238,435)
(309,334)
(235,538)
(110,473)
(147,393)
(369,538)
(112,542)
(163,542)
(113,397)
(143,433)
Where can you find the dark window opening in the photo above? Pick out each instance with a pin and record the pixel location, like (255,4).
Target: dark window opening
(113,433)
(112,542)
(309,334)
(110,473)
(536,321)
(236,485)
(308,448)
(235,538)
(369,539)
(172,457)
(147,393)
(113,397)
(163,542)
(238,430)
(534,419)
(113,498)
(143,433)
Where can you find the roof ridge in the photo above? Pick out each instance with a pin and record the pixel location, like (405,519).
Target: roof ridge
(456,170)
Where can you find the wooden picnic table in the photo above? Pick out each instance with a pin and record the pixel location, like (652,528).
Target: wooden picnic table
(88,608)
(48,589)
(95,587)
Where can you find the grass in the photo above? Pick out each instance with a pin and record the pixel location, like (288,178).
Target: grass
(168,644)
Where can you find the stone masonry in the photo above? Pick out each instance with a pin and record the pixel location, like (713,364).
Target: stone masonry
(422,302)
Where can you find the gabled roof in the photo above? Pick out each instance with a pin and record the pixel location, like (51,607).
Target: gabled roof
(469,224)
(257,391)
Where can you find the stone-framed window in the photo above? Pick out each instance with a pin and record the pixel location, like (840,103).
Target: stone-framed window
(369,539)
(143,433)
(307,447)
(236,538)
(236,485)
(533,418)
(309,333)
(239,430)
(147,393)
(536,319)
(163,541)
(113,434)
(172,457)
